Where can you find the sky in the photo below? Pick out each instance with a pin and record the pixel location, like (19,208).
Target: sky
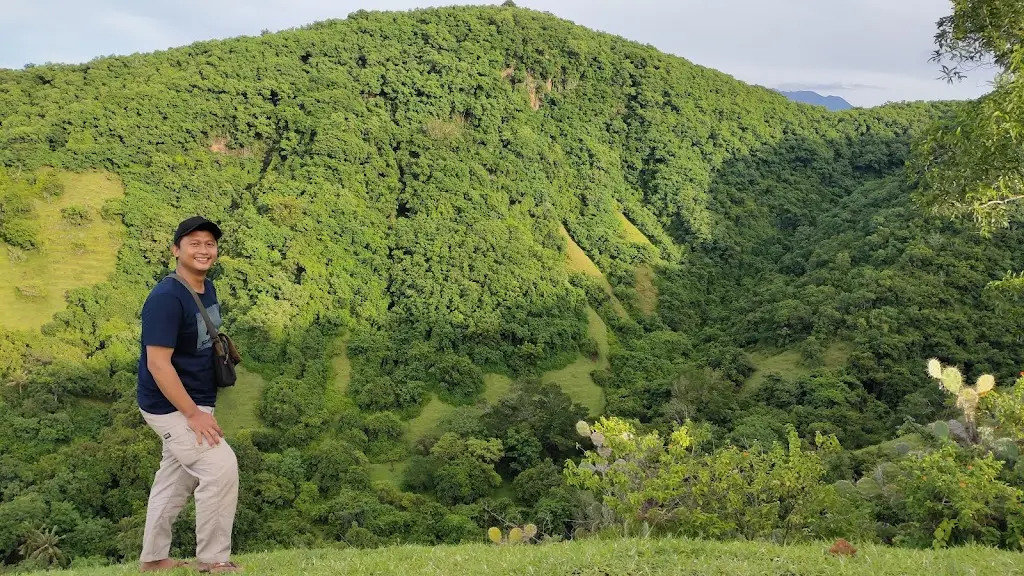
(866,51)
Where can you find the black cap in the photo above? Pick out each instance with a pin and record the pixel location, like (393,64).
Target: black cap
(196,223)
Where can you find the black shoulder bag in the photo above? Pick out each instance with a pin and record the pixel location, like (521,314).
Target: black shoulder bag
(225,356)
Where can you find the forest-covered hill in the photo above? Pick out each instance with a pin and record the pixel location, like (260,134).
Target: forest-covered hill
(451,234)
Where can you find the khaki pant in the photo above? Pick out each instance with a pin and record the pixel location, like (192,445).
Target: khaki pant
(210,471)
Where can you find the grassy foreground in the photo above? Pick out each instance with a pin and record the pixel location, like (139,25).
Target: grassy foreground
(613,557)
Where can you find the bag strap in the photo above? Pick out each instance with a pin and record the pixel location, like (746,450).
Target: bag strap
(214,335)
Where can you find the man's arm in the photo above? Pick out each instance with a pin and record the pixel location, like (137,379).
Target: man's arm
(158,360)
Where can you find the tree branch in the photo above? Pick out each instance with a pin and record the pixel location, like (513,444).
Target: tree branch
(991,203)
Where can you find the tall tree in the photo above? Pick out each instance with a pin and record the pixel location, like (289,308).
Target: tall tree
(971,163)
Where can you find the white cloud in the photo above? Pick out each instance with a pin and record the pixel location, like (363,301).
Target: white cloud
(826,87)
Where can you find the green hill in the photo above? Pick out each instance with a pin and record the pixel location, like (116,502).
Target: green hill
(452,233)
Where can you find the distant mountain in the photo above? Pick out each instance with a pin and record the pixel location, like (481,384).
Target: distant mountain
(808,97)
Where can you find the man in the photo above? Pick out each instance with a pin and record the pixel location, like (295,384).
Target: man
(177,392)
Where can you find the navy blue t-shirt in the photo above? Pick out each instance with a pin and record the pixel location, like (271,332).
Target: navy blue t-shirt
(170,318)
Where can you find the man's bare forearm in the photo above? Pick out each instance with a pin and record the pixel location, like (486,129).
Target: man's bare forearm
(169,383)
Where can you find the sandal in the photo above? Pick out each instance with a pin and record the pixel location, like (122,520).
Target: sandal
(173,564)
(219,568)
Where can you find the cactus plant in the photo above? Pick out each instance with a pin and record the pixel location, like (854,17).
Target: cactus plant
(846,488)
(941,430)
(517,535)
(868,487)
(885,473)
(901,448)
(1006,449)
(967,397)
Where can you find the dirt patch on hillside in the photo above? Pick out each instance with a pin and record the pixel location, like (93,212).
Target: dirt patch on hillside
(535,88)
(219,145)
(532,86)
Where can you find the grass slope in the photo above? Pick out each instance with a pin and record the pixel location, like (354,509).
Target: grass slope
(646,290)
(390,472)
(575,378)
(236,406)
(788,364)
(632,233)
(342,367)
(496,386)
(434,410)
(68,256)
(578,261)
(431,415)
(620,557)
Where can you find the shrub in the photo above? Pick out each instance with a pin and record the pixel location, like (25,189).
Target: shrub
(458,378)
(20,233)
(464,468)
(53,188)
(32,290)
(385,393)
(76,215)
(812,352)
(949,497)
(384,432)
(676,487)
(16,255)
(445,129)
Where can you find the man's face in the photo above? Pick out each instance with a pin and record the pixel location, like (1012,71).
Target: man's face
(196,251)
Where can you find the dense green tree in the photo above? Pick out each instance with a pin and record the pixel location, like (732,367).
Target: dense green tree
(463,469)
(970,163)
(534,421)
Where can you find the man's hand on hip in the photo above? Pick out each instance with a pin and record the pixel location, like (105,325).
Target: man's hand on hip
(205,426)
